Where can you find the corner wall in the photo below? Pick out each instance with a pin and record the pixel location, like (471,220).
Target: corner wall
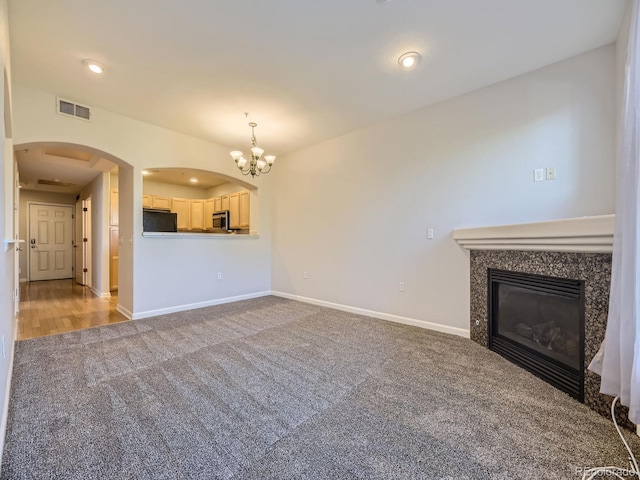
(353,212)
(8,256)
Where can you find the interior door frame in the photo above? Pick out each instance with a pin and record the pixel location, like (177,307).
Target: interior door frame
(27,244)
(86,244)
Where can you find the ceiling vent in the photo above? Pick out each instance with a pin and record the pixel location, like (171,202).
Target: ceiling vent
(71,109)
(55,183)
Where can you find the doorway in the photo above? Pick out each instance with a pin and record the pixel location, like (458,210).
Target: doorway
(50,242)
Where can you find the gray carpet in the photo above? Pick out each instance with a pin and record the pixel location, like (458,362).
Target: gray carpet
(272,388)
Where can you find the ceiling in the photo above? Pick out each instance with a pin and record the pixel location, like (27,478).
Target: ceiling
(59,169)
(305,70)
(183,176)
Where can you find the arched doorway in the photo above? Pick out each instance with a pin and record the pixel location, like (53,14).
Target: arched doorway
(80,174)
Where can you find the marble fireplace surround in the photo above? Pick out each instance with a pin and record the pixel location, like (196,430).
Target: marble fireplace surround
(575,248)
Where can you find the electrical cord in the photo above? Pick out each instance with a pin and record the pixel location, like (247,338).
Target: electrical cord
(591,473)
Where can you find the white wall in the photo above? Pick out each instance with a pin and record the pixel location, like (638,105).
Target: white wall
(150,187)
(157,274)
(353,211)
(8,255)
(35,196)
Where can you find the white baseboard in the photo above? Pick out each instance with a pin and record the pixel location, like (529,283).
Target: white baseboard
(438,327)
(7,395)
(100,294)
(193,306)
(23,279)
(124,312)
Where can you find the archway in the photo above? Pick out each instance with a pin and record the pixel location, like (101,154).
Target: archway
(57,161)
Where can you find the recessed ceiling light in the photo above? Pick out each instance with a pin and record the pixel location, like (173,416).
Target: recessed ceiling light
(193,180)
(409,59)
(94,66)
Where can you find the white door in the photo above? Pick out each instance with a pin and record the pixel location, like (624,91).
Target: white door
(50,242)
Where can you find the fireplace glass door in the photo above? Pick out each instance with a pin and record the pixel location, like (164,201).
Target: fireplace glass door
(538,323)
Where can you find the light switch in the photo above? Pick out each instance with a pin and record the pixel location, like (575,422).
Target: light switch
(430,233)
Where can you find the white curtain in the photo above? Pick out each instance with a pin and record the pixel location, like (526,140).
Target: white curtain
(620,368)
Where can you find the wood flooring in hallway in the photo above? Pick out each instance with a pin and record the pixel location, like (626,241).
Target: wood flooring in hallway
(57,306)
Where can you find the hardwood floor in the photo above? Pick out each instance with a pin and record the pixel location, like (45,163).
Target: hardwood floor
(57,306)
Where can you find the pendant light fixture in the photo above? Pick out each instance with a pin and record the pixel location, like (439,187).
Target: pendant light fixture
(257,165)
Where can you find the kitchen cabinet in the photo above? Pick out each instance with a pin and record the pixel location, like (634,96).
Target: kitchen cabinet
(209,208)
(163,203)
(113,258)
(234,211)
(224,202)
(217,204)
(113,239)
(196,215)
(239,210)
(113,206)
(182,208)
(146,201)
(244,209)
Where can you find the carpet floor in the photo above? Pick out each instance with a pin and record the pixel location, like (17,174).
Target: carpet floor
(276,389)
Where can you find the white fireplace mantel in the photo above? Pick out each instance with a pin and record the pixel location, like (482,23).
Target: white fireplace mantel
(584,234)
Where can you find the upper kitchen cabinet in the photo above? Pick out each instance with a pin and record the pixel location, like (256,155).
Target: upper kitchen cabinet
(181,207)
(239,210)
(113,207)
(160,202)
(194,195)
(196,214)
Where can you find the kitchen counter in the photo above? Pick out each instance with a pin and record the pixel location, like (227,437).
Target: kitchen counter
(198,235)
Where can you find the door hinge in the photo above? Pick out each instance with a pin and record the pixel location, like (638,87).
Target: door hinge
(85,239)
(85,209)
(85,270)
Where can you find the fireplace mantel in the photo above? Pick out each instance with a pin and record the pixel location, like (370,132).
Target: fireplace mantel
(585,234)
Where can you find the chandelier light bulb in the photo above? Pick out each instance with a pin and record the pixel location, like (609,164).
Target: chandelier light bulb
(257,152)
(256,165)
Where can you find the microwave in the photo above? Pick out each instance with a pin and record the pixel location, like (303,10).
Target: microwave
(221,221)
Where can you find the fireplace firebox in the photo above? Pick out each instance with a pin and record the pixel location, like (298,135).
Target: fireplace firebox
(537,322)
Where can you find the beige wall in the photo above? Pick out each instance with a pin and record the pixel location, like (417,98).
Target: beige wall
(8,255)
(168,190)
(353,212)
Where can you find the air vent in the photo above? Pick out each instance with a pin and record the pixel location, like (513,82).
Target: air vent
(56,183)
(71,109)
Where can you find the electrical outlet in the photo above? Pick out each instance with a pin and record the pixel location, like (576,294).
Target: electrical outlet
(538,175)
(219,275)
(401,286)
(304,275)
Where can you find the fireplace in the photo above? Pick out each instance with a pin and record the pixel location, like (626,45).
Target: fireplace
(537,322)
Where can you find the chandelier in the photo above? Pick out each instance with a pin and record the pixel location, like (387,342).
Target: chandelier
(257,164)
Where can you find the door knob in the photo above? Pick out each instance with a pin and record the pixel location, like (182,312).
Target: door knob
(33,246)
